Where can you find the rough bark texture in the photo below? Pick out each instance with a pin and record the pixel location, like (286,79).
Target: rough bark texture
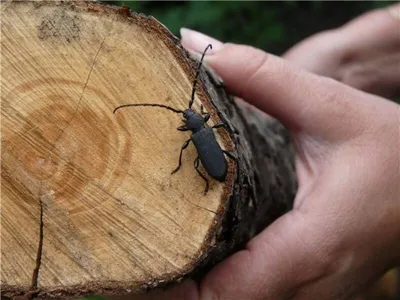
(259,188)
(266,184)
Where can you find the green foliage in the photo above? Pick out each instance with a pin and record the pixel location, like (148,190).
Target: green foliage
(94,298)
(273,26)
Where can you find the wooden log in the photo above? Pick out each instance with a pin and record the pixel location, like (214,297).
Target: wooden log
(88,202)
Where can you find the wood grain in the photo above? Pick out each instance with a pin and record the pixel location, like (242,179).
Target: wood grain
(97,186)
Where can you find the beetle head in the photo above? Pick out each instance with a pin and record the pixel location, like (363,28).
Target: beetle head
(193,120)
(187,113)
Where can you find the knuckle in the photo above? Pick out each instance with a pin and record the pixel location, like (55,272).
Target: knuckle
(256,63)
(255,58)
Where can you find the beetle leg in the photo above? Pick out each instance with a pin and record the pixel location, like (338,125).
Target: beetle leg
(219,125)
(205,114)
(182,128)
(230,155)
(231,129)
(196,166)
(202,110)
(184,146)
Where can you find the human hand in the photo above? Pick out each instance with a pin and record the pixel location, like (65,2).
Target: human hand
(344,229)
(364,53)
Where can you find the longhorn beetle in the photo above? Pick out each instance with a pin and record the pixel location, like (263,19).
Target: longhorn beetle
(209,151)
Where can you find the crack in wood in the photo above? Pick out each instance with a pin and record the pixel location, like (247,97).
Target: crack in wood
(201,207)
(83,91)
(35,274)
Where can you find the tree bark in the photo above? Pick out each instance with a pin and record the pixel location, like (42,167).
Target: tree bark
(88,202)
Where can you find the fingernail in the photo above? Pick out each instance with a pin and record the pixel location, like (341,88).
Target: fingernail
(196,41)
(394,11)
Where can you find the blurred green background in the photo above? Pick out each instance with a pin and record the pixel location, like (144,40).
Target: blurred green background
(272,26)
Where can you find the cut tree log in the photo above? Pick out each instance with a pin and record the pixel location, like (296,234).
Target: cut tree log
(88,202)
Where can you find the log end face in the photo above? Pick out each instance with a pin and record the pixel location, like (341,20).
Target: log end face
(97,186)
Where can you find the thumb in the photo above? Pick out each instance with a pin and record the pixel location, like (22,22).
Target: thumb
(275,264)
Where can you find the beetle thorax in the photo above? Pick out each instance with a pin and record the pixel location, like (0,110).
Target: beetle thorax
(193,120)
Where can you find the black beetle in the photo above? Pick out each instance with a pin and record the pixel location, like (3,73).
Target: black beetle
(209,151)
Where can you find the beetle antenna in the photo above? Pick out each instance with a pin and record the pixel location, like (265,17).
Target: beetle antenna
(197,75)
(149,104)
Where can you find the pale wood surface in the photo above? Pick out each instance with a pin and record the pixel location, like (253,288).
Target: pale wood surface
(112,212)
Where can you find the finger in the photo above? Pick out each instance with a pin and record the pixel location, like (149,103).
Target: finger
(275,265)
(320,54)
(394,11)
(380,75)
(324,53)
(377,30)
(301,100)
(196,41)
